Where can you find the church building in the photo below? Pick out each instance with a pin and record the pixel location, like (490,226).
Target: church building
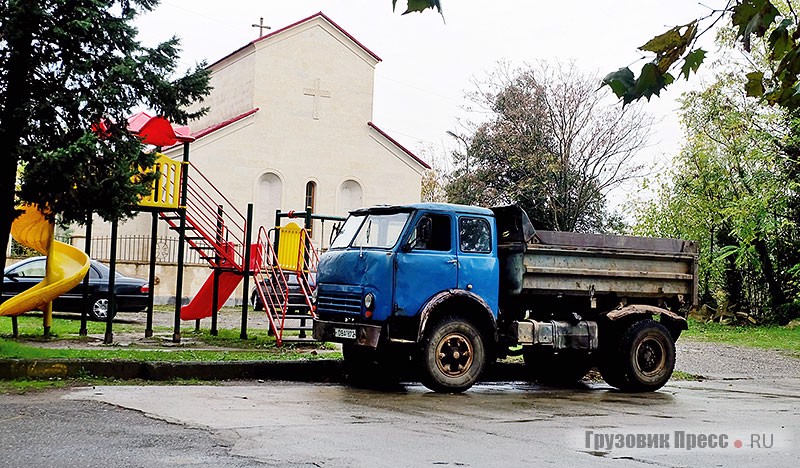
(290,126)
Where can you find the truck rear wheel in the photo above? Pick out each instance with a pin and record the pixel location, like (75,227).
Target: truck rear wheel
(453,356)
(643,359)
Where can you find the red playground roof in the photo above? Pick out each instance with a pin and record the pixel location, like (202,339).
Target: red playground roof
(157,131)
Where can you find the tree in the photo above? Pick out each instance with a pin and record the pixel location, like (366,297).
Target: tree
(675,53)
(553,144)
(70,75)
(729,191)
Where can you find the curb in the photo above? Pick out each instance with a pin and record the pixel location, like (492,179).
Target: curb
(313,371)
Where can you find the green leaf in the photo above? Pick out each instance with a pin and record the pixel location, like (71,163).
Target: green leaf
(753,17)
(620,81)
(779,41)
(651,81)
(420,5)
(755,84)
(664,42)
(692,62)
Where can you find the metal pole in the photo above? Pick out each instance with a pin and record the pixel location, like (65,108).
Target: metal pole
(148,331)
(217,260)
(277,234)
(112,273)
(15,326)
(176,334)
(87,248)
(246,269)
(215,299)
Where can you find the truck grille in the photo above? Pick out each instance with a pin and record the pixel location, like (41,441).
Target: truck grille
(341,299)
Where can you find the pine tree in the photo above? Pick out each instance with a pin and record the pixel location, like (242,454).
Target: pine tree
(67,69)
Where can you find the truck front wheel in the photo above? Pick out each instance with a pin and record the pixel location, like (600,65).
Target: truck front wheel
(453,356)
(644,359)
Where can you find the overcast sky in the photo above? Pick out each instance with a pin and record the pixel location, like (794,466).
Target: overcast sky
(427,63)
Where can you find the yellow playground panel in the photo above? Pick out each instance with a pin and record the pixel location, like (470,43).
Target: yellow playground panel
(166,192)
(291,247)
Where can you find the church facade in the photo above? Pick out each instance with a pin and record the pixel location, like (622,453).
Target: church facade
(290,126)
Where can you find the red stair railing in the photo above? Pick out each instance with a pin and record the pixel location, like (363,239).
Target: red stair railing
(308,259)
(272,286)
(217,225)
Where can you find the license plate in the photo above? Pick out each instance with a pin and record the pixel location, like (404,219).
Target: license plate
(348,333)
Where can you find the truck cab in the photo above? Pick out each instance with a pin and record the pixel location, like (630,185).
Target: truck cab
(389,266)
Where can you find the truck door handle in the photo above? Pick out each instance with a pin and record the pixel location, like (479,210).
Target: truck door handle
(454,261)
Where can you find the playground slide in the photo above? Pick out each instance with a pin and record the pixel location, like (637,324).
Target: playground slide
(200,305)
(66,265)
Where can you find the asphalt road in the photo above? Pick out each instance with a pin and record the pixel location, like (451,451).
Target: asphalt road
(303,425)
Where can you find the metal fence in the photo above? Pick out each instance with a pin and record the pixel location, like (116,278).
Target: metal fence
(137,249)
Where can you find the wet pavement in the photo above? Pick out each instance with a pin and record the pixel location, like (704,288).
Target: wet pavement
(726,423)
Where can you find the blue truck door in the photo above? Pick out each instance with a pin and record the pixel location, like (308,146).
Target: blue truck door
(479,269)
(425,268)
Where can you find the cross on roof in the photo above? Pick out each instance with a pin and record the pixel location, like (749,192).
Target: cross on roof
(261,27)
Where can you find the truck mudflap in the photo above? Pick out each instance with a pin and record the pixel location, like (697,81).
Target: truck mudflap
(356,333)
(672,321)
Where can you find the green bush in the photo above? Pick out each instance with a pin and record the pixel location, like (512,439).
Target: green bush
(785,313)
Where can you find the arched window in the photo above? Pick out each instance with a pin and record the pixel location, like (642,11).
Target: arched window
(351,196)
(268,201)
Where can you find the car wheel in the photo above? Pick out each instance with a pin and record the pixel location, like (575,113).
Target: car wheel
(99,310)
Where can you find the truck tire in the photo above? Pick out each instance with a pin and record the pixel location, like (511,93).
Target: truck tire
(643,360)
(557,369)
(453,356)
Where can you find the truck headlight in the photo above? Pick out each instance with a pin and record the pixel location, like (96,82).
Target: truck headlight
(314,296)
(369,301)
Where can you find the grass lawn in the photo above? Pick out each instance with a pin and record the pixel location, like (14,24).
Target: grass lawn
(258,345)
(769,337)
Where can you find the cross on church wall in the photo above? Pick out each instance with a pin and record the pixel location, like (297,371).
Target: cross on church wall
(316,93)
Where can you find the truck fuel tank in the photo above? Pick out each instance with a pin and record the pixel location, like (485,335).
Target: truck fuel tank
(557,334)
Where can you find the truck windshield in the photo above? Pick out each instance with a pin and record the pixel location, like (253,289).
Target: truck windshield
(381,230)
(347,232)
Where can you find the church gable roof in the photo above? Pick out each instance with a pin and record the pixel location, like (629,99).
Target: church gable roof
(280,31)
(398,145)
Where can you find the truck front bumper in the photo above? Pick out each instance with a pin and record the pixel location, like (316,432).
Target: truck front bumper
(357,333)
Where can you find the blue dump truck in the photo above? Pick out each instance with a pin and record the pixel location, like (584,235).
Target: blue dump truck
(449,289)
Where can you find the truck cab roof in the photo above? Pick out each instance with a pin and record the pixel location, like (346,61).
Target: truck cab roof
(441,207)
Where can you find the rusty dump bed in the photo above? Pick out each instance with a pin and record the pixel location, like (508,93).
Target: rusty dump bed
(576,264)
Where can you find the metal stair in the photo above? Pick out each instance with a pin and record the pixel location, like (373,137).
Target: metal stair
(217,231)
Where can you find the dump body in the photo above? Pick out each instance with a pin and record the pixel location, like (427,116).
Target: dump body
(624,267)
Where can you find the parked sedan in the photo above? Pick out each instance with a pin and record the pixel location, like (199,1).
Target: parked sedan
(130,293)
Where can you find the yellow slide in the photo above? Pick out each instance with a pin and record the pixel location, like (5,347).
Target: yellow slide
(66,265)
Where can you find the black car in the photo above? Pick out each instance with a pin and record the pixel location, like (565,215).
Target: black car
(130,293)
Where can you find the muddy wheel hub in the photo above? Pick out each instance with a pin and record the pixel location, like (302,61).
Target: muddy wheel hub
(454,355)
